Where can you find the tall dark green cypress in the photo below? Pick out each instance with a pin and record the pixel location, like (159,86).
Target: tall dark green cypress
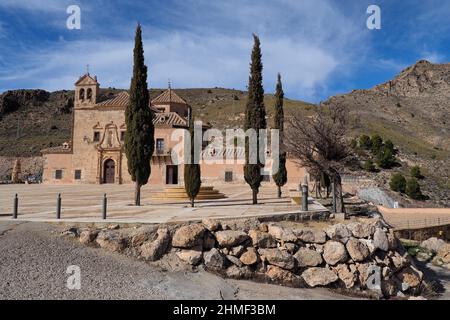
(192,175)
(280,177)
(255,118)
(139,138)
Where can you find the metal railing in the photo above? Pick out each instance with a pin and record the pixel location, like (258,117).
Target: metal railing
(421,223)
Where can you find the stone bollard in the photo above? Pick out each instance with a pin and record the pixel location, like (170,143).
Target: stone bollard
(15,206)
(58,206)
(105,204)
(304,197)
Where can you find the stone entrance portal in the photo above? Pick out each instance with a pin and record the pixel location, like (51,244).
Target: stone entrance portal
(109,171)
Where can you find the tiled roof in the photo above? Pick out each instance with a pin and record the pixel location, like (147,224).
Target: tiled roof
(121,100)
(168,96)
(169,118)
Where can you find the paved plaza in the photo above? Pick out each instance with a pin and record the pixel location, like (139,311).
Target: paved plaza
(83,203)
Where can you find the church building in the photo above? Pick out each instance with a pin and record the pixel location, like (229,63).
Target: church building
(96,152)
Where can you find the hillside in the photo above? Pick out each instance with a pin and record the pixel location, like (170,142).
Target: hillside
(413,111)
(31,120)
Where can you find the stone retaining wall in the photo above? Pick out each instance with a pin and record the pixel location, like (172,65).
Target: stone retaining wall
(359,257)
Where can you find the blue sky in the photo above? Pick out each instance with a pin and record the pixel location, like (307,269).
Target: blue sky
(321,47)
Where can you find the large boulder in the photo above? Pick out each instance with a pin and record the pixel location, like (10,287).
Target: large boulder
(308,258)
(230,238)
(188,236)
(338,232)
(142,234)
(214,259)
(262,239)
(361,230)
(432,245)
(346,274)
(250,257)
(410,279)
(191,256)
(111,240)
(278,258)
(442,258)
(237,251)
(319,276)
(397,261)
(334,252)
(380,240)
(365,270)
(88,236)
(154,250)
(211,224)
(277,274)
(282,234)
(309,235)
(369,244)
(236,272)
(357,250)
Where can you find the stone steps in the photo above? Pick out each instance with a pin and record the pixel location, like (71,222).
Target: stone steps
(175,193)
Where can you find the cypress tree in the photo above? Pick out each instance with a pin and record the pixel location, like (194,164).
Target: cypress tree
(139,138)
(255,118)
(280,177)
(192,176)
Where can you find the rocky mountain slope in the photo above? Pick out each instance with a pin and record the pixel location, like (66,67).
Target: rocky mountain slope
(412,110)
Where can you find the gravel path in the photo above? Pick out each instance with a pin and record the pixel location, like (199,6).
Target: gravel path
(34,259)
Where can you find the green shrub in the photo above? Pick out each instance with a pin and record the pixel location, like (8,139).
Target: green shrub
(416,173)
(353,143)
(368,166)
(385,158)
(377,143)
(389,145)
(398,183)
(365,142)
(413,189)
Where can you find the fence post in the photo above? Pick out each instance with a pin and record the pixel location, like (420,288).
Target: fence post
(58,206)
(304,197)
(15,206)
(105,204)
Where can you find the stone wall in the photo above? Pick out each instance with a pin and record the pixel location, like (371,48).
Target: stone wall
(361,257)
(29,166)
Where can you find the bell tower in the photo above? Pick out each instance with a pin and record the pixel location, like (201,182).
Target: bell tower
(86,91)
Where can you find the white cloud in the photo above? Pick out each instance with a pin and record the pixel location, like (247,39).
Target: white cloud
(434,57)
(308,41)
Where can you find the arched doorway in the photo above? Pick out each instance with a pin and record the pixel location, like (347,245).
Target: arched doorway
(109,171)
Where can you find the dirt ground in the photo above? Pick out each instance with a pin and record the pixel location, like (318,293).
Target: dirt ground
(35,257)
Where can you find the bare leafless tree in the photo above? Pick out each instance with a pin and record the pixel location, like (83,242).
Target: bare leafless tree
(319,143)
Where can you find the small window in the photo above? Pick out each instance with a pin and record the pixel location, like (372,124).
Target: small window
(228,176)
(122,135)
(58,174)
(159,146)
(89,94)
(81,97)
(96,136)
(266,178)
(77,175)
